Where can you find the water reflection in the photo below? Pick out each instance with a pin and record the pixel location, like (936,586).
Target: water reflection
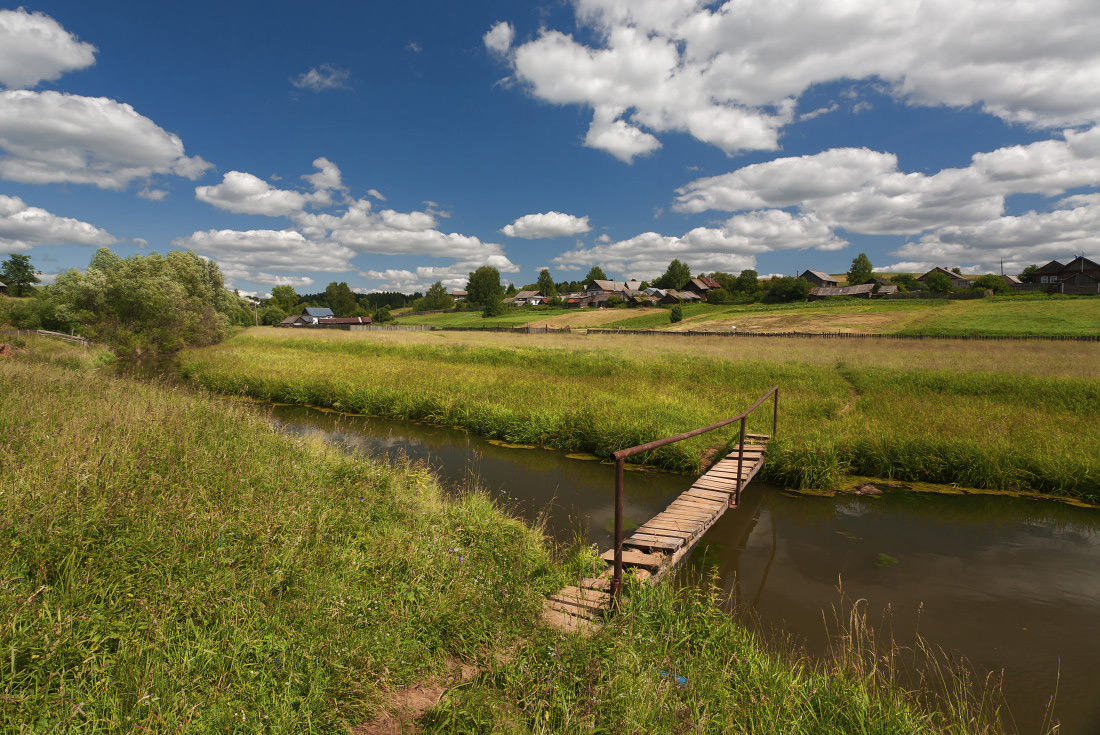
(1010,583)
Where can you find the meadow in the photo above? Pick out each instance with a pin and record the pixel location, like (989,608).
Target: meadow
(1006,416)
(170,563)
(1002,316)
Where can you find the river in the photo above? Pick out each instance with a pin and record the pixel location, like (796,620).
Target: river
(1011,584)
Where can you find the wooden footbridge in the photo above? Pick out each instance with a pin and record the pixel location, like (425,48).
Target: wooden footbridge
(661,543)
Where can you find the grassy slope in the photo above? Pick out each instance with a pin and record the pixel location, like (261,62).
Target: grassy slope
(1001,416)
(1001,316)
(170,564)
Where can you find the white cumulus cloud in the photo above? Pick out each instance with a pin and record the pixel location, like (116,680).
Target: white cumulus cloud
(731,247)
(50,137)
(35,48)
(243,193)
(22,227)
(729,73)
(548,224)
(498,39)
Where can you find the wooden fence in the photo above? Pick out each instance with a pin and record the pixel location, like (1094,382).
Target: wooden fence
(851,335)
(72,338)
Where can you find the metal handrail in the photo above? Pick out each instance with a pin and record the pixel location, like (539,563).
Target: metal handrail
(621,455)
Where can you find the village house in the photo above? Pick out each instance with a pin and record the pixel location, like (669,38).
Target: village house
(343,322)
(701,285)
(527,298)
(957,280)
(819,278)
(1079,276)
(863,290)
(3,288)
(459,295)
(604,287)
(310,316)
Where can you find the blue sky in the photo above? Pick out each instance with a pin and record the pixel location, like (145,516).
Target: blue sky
(397,145)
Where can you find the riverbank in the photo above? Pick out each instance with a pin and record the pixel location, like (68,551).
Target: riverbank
(170,563)
(1000,416)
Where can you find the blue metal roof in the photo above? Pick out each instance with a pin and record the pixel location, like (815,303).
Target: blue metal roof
(318,311)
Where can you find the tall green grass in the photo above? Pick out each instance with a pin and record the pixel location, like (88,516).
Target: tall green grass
(170,564)
(979,428)
(674,660)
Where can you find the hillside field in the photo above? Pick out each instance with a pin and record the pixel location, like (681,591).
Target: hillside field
(1010,316)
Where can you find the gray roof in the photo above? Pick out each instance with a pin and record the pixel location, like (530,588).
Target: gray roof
(842,291)
(318,311)
(822,276)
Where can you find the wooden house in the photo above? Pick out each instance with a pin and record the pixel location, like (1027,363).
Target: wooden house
(863,290)
(1047,275)
(957,280)
(609,287)
(527,298)
(818,278)
(1079,276)
(701,285)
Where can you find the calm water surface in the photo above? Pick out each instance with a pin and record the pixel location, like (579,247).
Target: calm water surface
(1009,583)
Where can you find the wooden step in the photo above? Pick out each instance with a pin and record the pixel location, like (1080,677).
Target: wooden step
(635,558)
(582,596)
(596,584)
(569,623)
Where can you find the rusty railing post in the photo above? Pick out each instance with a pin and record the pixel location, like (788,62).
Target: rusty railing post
(740,464)
(617,580)
(775,412)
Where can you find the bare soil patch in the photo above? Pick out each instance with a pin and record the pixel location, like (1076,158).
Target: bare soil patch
(404,707)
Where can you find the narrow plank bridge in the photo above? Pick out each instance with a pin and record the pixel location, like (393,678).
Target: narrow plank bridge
(661,543)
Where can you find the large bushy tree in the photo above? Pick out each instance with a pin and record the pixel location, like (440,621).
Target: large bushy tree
(484,286)
(861,270)
(546,285)
(991,282)
(19,275)
(141,303)
(748,282)
(341,299)
(675,276)
(436,298)
(284,297)
(788,288)
(938,282)
(595,273)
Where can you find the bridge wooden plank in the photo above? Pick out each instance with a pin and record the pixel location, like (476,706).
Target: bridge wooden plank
(708,493)
(650,543)
(671,524)
(672,520)
(689,502)
(719,486)
(596,584)
(664,534)
(636,558)
(685,513)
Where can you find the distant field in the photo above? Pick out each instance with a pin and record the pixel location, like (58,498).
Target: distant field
(977,414)
(999,316)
